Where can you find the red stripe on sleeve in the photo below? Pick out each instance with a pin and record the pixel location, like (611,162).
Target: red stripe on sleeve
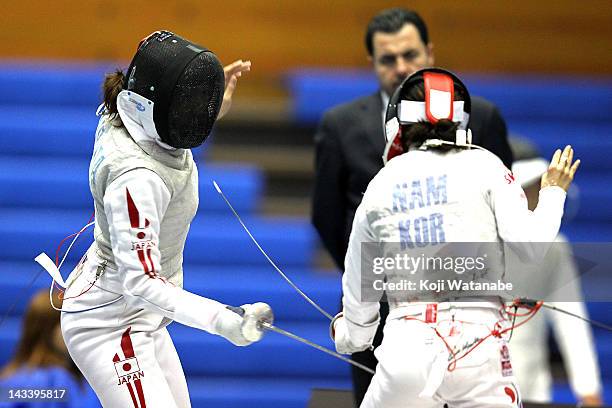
(145,267)
(132,210)
(151,260)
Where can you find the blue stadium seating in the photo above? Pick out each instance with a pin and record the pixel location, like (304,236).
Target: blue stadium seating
(600,311)
(591,140)
(562,393)
(290,242)
(522,98)
(41,182)
(588,231)
(47,121)
(271,393)
(48,84)
(65,131)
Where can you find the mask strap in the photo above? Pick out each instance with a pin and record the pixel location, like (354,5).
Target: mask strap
(439,96)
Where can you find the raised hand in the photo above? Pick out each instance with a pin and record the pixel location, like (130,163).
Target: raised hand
(232,72)
(561,169)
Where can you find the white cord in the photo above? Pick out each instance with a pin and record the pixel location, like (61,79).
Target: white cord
(440,142)
(293,285)
(73,241)
(58,268)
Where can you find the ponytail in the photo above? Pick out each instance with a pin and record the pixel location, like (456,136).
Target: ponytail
(113,84)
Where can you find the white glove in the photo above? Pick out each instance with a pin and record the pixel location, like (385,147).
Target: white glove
(240,325)
(339,332)
(254,315)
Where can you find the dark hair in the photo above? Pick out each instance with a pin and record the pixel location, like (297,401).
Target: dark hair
(113,84)
(391,21)
(36,347)
(415,135)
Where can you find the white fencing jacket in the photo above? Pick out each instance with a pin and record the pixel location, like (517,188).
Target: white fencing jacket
(464,196)
(145,197)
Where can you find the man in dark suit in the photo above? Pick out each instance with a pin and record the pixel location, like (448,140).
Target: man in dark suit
(350,142)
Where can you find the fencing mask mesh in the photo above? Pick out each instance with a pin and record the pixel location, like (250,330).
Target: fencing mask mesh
(184,81)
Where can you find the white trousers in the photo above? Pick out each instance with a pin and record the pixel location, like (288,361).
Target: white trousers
(413,364)
(128,368)
(125,354)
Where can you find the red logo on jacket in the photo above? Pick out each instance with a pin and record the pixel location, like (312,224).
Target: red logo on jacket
(143,247)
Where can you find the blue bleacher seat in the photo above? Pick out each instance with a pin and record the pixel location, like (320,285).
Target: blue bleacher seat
(562,393)
(47,131)
(519,97)
(315,90)
(603,345)
(548,98)
(600,311)
(594,197)
(38,83)
(40,182)
(592,141)
(52,131)
(588,231)
(276,356)
(212,240)
(240,392)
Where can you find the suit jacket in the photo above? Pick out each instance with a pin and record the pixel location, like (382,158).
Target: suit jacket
(349,146)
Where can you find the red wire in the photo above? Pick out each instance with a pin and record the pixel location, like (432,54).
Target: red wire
(59,247)
(61,291)
(82,293)
(517,305)
(498,333)
(495,332)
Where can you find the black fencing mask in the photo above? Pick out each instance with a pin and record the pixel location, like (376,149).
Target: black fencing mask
(174,89)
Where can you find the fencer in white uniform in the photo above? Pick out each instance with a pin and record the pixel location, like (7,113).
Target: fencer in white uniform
(144,181)
(529,344)
(435,189)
